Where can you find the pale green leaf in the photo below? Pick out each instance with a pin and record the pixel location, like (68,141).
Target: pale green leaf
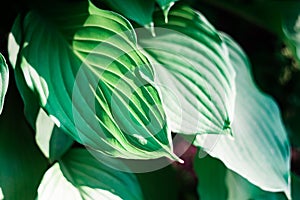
(4,76)
(78,175)
(240,188)
(259,150)
(139,11)
(216,182)
(84,67)
(193,72)
(44,128)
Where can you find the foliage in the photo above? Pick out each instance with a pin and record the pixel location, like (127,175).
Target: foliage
(111,99)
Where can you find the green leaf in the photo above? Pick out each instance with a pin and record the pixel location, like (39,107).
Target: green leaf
(217,182)
(22,165)
(59,144)
(79,175)
(139,11)
(93,84)
(211,178)
(193,72)
(295,186)
(4,76)
(260,150)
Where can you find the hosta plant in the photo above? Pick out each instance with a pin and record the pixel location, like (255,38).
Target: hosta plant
(149,100)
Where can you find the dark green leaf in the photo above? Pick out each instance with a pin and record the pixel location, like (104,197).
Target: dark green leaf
(60,143)
(260,150)
(211,178)
(79,175)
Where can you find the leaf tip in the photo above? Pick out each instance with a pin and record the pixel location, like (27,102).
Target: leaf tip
(180,161)
(175,158)
(166,10)
(150,27)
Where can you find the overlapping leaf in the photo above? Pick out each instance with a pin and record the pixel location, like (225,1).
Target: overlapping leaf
(52,141)
(80,176)
(193,72)
(4,75)
(259,150)
(139,11)
(216,182)
(84,66)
